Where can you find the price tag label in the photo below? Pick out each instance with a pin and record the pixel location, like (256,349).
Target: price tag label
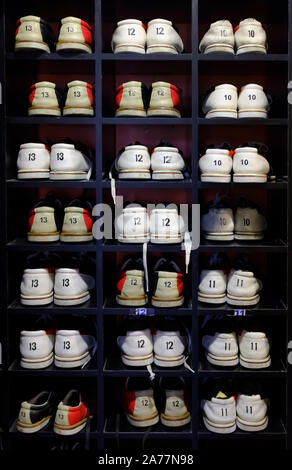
(142,312)
(240,313)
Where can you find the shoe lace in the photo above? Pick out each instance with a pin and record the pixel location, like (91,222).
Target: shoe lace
(113,184)
(186,365)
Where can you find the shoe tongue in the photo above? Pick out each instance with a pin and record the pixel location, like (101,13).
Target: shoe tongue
(171,383)
(40,399)
(78,146)
(82,203)
(72,262)
(220,389)
(242,263)
(72,398)
(219,203)
(43,260)
(223,325)
(250,388)
(132,205)
(221,395)
(168,324)
(131,264)
(245,203)
(50,200)
(165,265)
(162,143)
(217,261)
(262,148)
(141,383)
(68,140)
(129,145)
(223,146)
(136,324)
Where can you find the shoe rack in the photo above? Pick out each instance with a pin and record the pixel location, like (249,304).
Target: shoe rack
(194,73)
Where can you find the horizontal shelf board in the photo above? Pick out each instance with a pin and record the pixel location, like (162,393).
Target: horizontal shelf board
(145,121)
(205,246)
(243,122)
(87,371)
(50,56)
(44,183)
(278,184)
(21,244)
(123,429)
(150,184)
(277,369)
(113,245)
(264,307)
(114,367)
(48,432)
(88,308)
(110,307)
(243,57)
(261,245)
(275,429)
(146,57)
(51,120)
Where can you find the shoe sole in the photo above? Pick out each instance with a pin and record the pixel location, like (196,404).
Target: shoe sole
(168,361)
(78,111)
(228,236)
(209,178)
(41,364)
(223,48)
(209,299)
(137,239)
(161,239)
(137,175)
(137,361)
(249,178)
(253,114)
(248,301)
(73,46)
(161,112)
(129,48)
(29,45)
(70,301)
(75,238)
(36,174)
(132,302)
(43,237)
(69,175)
(43,112)
(65,363)
(130,113)
(32,428)
(248,236)
(41,300)
(161,49)
(175,422)
(260,364)
(224,113)
(143,422)
(167,175)
(167,303)
(247,49)
(254,427)
(219,428)
(70,430)
(223,362)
